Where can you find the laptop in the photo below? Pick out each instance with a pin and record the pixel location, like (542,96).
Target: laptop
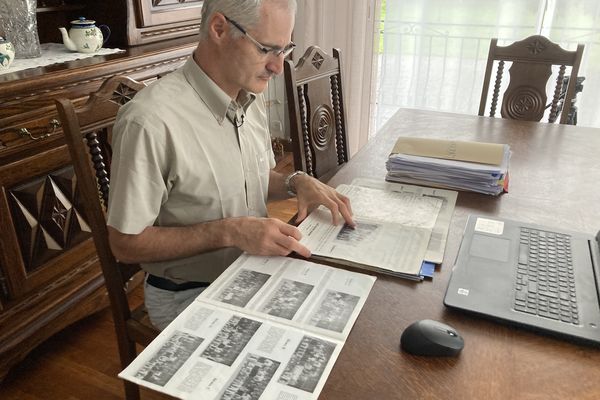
(529,275)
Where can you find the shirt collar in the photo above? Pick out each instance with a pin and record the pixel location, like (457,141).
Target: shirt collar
(217,101)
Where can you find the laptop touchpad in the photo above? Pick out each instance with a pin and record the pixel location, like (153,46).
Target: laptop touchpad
(493,248)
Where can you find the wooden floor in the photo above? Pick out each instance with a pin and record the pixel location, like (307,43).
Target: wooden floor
(81,362)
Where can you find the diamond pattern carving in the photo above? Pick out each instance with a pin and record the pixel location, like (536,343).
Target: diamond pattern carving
(122,94)
(317,60)
(45,217)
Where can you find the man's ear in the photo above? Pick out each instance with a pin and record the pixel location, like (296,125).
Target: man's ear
(217,27)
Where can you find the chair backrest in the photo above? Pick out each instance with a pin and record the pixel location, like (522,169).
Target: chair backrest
(88,131)
(317,114)
(532,61)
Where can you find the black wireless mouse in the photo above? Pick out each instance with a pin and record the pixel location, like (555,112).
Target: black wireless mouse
(431,338)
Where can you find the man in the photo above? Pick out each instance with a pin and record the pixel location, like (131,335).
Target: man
(192,163)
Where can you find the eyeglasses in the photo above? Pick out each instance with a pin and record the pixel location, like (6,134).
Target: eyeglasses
(264,50)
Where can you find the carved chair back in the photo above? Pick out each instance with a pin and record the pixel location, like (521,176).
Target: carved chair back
(525,97)
(88,131)
(317,114)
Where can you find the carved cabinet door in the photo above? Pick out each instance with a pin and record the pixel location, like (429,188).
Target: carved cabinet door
(45,236)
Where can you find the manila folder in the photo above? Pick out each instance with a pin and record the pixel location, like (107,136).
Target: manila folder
(479,152)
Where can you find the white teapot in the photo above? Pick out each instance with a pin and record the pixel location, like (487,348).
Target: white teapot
(84,36)
(7,53)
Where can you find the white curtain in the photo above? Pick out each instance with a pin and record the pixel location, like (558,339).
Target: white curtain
(349,26)
(435,51)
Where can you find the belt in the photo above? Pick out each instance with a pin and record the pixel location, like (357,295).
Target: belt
(166,284)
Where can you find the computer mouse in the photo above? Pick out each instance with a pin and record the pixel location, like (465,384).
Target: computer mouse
(431,338)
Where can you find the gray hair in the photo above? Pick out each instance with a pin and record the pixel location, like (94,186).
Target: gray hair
(244,12)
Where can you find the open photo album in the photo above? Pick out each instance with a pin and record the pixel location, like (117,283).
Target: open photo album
(268,326)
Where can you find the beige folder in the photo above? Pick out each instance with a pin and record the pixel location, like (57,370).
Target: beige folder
(479,152)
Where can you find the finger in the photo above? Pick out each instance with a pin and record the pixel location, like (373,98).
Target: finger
(294,245)
(346,201)
(347,214)
(302,213)
(292,231)
(335,211)
(301,250)
(283,251)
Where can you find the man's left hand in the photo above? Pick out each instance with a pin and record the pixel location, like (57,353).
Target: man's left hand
(311,193)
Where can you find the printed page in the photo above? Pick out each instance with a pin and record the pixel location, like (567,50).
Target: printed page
(401,207)
(214,353)
(392,233)
(439,234)
(317,298)
(377,245)
(268,328)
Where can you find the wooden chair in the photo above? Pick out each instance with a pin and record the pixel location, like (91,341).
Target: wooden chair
(88,131)
(532,60)
(317,114)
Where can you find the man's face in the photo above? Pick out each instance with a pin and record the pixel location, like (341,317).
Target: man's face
(249,68)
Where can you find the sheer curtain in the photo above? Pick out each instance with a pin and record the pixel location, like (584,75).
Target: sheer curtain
(349,26)
(434,51)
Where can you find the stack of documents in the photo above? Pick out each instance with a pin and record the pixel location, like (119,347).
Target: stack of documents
(470,166)
(400,230)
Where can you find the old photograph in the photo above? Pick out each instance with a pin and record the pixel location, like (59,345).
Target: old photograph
(169,358)
(243,287)
(252,378)
(287,298)
(334,311)
(231,340)
(307,364)
(356,234)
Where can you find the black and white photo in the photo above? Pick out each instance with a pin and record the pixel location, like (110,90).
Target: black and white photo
(243,287)
(252,378)
(356,234)
(231,340)
(307,364)
(169,358)
(334,311)
(287,298)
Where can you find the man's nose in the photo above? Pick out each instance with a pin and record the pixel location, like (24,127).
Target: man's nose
(275,64)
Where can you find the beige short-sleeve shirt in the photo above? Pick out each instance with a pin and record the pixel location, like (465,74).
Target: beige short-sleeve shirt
(179,160)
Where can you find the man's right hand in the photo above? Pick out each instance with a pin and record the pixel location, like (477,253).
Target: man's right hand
(267,237)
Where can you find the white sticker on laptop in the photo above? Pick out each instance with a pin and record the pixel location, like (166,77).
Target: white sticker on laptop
(489,226)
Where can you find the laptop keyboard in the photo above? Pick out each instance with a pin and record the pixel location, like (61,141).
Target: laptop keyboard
(545,283)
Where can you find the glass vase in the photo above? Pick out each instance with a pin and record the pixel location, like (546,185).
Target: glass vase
(18,24)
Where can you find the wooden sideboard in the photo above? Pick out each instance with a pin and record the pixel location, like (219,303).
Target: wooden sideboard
(49,272)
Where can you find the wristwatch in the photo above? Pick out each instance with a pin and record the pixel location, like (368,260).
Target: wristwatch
(289,183)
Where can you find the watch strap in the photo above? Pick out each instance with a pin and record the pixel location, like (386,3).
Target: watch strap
(289,182)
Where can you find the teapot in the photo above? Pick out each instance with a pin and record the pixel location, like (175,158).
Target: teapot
(84,36)
(7,53)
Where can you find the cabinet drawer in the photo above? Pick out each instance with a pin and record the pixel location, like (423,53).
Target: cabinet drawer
(33,134)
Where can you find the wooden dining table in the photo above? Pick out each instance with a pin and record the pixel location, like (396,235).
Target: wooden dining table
(554,177)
